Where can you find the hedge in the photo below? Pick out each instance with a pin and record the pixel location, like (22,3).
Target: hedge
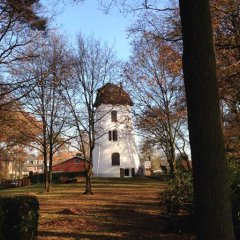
(18,217)
(56,177)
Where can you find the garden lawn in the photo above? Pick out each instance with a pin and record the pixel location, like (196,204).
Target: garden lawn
(120,209)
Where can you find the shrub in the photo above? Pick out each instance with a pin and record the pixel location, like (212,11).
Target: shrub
(19,218)
(56,177)
(178,197)
(37,178)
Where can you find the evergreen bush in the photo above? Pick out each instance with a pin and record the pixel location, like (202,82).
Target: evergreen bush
(18,217)
(178,197)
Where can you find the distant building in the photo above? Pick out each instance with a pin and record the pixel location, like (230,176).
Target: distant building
(115,152)
(33,164)
(74,164)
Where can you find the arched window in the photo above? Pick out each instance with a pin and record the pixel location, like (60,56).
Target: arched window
(114,116)
(115,159)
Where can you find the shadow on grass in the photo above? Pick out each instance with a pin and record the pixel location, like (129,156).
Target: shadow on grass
(123,222)
(130,213)
(134,224)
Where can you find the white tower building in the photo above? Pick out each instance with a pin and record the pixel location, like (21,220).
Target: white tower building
(115,152)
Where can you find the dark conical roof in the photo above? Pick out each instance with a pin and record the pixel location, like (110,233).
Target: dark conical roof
(112,94)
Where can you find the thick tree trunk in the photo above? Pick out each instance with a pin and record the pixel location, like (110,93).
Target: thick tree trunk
(171,158)
(211,189)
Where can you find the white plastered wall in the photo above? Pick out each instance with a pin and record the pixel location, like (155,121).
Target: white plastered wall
(125,145)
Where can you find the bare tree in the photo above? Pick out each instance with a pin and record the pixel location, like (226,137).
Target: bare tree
(19,20)
(45,101)
(21,24)
(154,75)
(163,23)
(93,65)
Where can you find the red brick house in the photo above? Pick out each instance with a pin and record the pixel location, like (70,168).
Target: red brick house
(74,164)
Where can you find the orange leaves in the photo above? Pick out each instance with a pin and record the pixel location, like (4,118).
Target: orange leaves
(16,126)
(170,58)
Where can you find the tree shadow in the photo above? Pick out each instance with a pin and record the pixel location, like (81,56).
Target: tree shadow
(126,222)
(125,214)
(140,224)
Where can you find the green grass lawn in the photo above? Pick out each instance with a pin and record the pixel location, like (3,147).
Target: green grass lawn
(119,209)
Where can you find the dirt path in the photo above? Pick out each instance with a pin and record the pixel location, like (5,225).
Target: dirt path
(119,209)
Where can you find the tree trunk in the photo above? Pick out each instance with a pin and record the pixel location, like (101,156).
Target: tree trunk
(170,153)
(171,166)
(88,188)
(45,170)
(173,157)
(45,178)
(88,167)
(211,189)
(49,179)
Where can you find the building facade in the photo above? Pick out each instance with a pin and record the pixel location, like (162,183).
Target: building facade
(33,164)
(115,152)
(75,164)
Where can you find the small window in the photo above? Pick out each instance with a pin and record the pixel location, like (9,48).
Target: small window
(126,172)
(116,159)
(114,116)
(115,135)
(77,161)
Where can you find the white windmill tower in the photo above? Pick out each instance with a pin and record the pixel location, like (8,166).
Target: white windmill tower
(115,152)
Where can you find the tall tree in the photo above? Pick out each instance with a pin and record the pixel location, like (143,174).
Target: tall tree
(93,64)
(211,189)
(154,75)
(18,20)
(164,24)
(45,101)
(21,25)
(226,25)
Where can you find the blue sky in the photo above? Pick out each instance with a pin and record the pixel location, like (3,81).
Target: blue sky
(88,19)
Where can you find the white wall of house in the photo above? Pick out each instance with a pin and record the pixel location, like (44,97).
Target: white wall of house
(125,144)
(32,164)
